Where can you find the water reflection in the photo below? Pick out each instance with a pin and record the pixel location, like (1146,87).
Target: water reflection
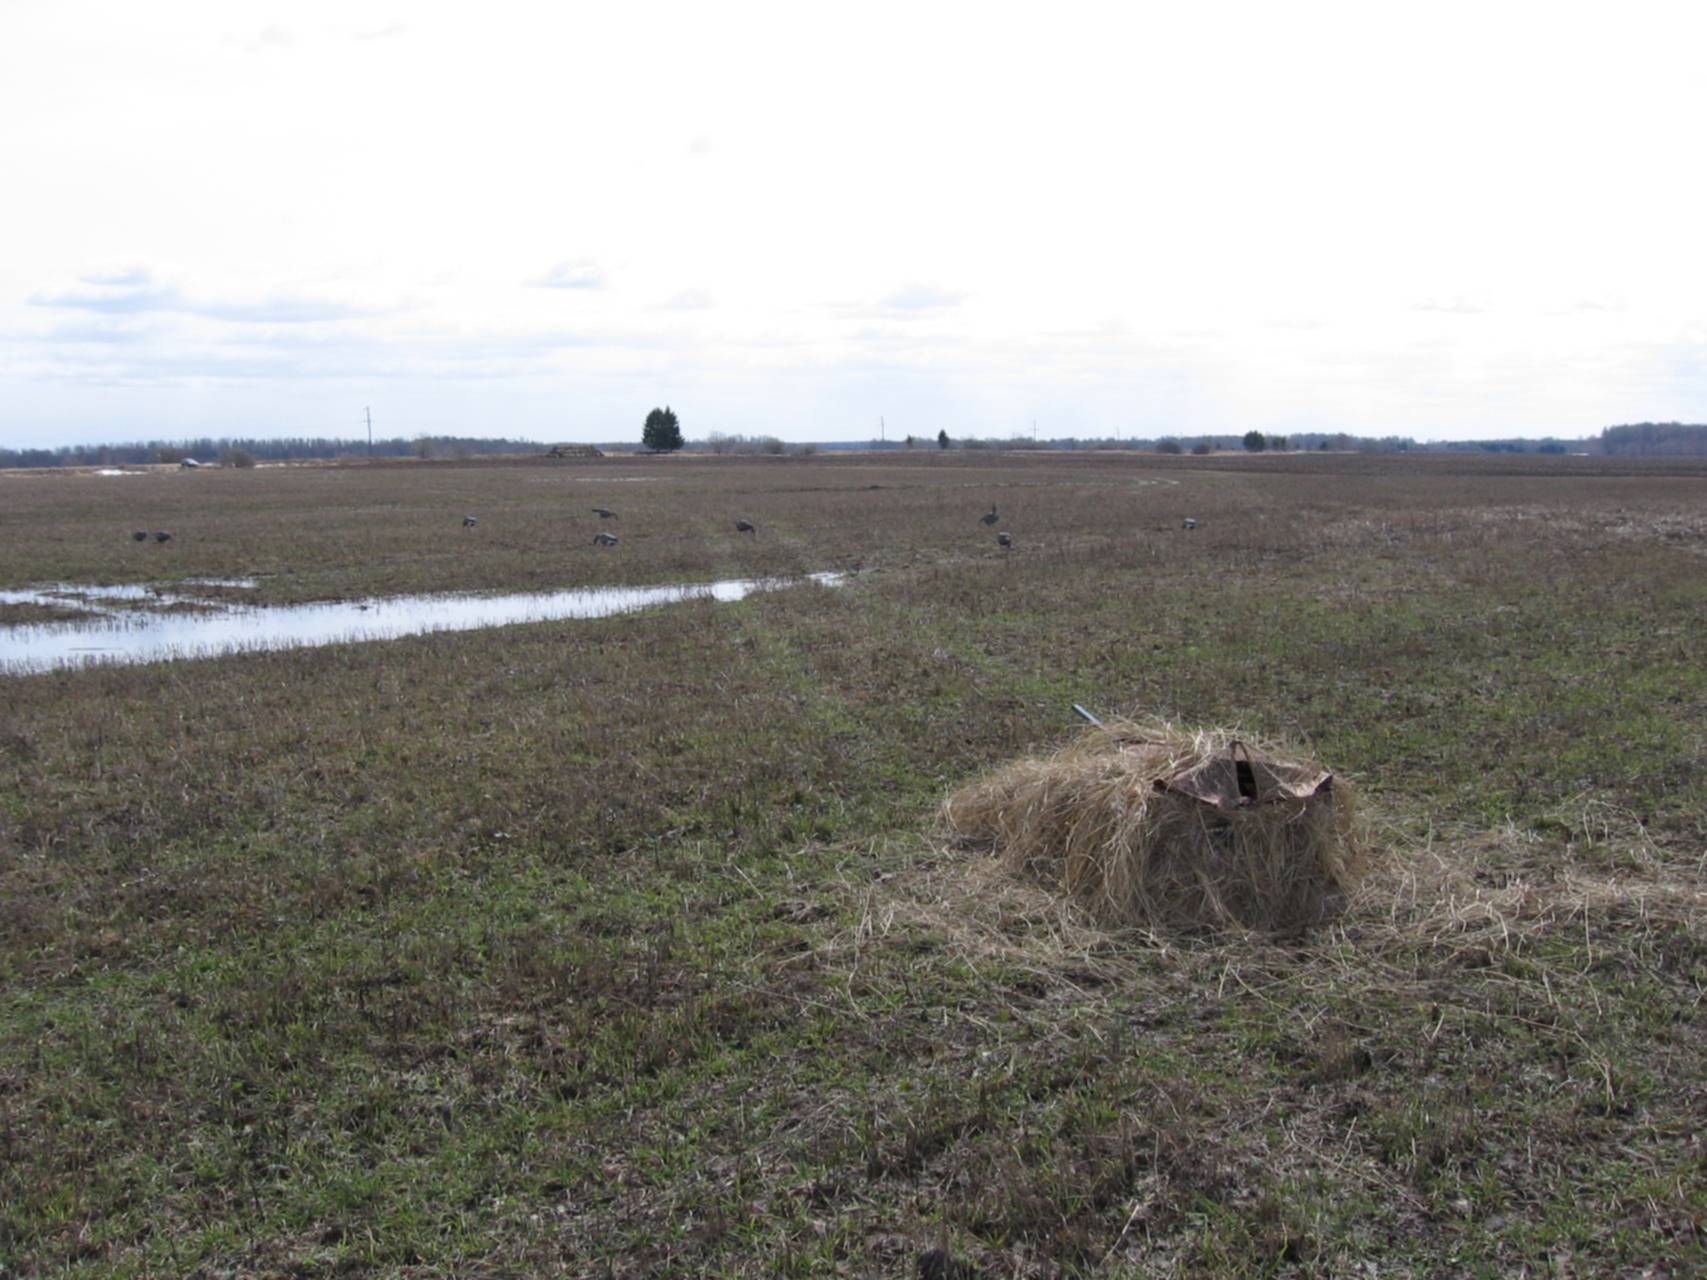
(142,634)
(91,597)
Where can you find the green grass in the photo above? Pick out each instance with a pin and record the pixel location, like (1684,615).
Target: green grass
(627,947)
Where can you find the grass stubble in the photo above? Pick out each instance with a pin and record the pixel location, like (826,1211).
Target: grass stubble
(636,947)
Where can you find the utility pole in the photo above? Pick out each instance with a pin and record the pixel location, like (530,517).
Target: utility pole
(369,413)
(882,431)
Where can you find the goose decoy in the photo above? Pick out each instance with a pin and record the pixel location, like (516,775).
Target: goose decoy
(468,522)
(141,535)
(605,539)
(745,526)
(1004,539)
(162,536)
(604,513)
(991,518)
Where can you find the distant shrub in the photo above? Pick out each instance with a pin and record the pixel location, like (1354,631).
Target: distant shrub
(236,458)
(1202,447)
(1169,446)
(719,443)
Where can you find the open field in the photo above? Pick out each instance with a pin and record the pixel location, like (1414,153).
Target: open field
(633,947)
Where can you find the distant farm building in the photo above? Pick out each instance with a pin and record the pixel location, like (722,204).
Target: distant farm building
(573,451)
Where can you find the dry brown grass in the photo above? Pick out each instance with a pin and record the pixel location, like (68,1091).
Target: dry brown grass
(1473,894)
(1093,820)
(1463,898)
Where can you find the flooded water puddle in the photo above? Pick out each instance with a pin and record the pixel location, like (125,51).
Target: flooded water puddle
(97,599)
(138,632)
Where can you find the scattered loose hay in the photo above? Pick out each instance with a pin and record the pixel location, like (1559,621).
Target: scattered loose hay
(1153,826)
(1475,893)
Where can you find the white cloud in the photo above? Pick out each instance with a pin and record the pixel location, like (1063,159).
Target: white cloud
(268,39)
(134,292)
(690,300)
(126,300)
(1457,306)
(922,297)
(117,275)
(582,273)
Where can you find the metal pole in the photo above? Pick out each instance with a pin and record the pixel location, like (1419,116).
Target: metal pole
(369,413)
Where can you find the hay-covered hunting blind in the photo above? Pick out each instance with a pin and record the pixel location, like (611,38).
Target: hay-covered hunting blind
(1147,824)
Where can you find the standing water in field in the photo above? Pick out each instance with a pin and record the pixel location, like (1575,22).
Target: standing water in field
(212,628)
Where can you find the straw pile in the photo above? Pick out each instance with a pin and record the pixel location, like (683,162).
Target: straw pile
(1143,824)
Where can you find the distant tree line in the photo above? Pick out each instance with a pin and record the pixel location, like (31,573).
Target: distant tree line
(1654,439)
(1647,438)
(242,452)
(718,442)
(1516,444)
(1253,441)
(1247,442)
(773,446)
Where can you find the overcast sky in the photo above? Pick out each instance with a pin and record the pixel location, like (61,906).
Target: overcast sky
(1445,220)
